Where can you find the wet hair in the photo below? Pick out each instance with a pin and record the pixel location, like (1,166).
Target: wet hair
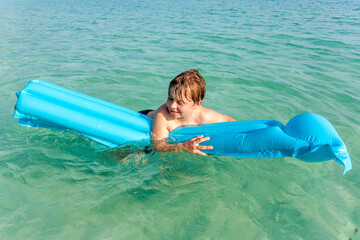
(189,84)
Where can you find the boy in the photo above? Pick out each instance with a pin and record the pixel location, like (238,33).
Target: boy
(183,108)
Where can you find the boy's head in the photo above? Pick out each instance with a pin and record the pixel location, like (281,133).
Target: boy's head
(189,84)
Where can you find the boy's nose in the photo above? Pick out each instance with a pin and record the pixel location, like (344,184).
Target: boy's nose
(173,105)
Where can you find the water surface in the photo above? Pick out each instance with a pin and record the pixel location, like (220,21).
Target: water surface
(261,60)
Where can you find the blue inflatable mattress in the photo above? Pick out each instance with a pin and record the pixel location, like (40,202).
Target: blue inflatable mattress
(307,136)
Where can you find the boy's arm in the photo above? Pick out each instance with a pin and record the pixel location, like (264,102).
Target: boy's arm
(160,134)
(191,146)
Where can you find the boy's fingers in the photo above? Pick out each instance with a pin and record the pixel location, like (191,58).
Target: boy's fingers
(196,138)
(205,147)
(203,139)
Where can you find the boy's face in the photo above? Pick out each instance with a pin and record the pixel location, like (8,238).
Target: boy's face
(180,107)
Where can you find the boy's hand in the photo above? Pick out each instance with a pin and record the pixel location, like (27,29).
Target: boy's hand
(193,146)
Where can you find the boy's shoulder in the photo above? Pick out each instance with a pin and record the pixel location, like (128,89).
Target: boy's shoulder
(163,112)
(211,116)
(163,119)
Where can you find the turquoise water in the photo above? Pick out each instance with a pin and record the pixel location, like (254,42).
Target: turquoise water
(261,59)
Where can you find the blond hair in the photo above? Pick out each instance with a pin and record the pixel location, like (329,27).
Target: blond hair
(189,84)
